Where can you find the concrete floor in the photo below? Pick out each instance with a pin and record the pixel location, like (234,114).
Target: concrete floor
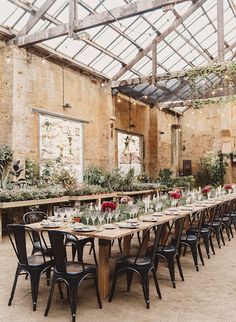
(208,295)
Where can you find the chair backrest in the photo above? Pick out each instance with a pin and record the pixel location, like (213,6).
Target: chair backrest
(196,222)
(58,244)
(209,217)
(220,211)
(174,232)
(17,234)
(158,234)
(32,217)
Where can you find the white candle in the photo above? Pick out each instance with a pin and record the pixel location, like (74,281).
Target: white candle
(99,203)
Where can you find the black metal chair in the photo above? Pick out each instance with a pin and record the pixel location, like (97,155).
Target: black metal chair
(31,265)
(206,231)
(227,219)
(217,224)
(72,273)
(32,217)
(191,238)
(141,264)
(169,250)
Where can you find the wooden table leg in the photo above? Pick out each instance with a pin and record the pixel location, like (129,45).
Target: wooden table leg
(103,267)
(126,245)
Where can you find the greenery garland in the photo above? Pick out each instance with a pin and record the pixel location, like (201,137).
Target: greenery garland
(198,103)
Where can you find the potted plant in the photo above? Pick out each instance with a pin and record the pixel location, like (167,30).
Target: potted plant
(77,218)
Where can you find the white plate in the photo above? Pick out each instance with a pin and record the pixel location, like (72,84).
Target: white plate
(132,221)
(109,226)
(150,219)
(51,225)
(85,229)
(128,225)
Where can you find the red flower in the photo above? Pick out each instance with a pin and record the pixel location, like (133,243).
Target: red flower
(228,187)
(108,205)
(206,189)
(175,195)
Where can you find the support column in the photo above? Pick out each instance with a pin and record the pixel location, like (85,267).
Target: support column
(220,29)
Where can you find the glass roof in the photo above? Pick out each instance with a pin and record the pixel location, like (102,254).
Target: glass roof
(110,47)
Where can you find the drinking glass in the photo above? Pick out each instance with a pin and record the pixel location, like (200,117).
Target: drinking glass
(101,216)
(116,214)
(93,216)
(56,210)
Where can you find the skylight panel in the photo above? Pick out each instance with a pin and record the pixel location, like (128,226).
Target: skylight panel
(108,36)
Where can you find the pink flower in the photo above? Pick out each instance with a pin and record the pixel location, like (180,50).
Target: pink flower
(108,205)
(175,194)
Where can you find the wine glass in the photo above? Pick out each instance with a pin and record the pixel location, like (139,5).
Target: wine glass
(110,216)
(158,206)
(101,216)
(93,216)
(116,214)
(56,210)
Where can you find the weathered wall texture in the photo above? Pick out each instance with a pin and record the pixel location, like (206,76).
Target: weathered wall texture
(34,84)
(155,126)
(208,130)
(6,100)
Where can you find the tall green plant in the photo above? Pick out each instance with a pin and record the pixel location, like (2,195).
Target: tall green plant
(6,158)
(212,170)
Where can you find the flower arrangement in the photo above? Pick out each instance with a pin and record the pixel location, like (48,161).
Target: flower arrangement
(125,200)
(108,205)
(228,187)
(175,194)
(206,189)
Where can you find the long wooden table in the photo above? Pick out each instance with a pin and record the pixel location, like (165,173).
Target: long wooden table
(106,236)
(66,199)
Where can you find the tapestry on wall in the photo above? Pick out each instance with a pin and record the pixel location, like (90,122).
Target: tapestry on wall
(61,141)
(130,152)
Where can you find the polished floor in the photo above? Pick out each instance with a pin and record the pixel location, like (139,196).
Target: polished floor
(208,295)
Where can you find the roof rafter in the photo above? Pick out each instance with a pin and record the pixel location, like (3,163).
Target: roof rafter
(98,19)
(159,38)
(36,16)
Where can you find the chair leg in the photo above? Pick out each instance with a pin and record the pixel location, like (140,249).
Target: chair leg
(206,243)
(113,285)
(145,287)
(171,267)
(60,290)
(73,247)
(194,254)
(129,278)
(185,249)
(231,230)
(50,296)
(227,231)
(200,254)
(218,237)
(97,291)
(73,291)
(120,244)
(14,286)
(179,267)
(212,246)
(156,284)
(34,281)
(222,236)
(48,275)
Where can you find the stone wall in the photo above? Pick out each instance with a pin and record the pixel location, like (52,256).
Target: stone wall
(208,130)
(6,100)
(155,127)
(36,84)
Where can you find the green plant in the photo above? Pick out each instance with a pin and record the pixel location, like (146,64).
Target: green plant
(16,169)
(32,172)
(6,158)
(66,178)
(212,170)
(165,177)
(185,182)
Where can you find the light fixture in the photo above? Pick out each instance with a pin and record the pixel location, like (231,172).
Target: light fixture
(67,105)
(8,59)
(118,100)
(43,60)
(81,35)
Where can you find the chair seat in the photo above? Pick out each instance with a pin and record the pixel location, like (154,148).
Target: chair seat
(75,268)
(37,260)
(225,219)
(216,223)
(189,238)
(144,260)
(166,249)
